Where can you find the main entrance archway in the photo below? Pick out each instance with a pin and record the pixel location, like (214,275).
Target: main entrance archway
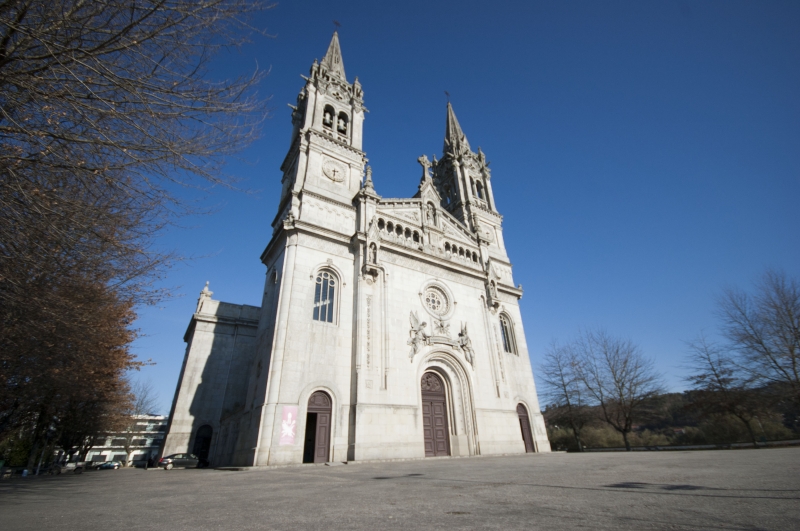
(525,427)
(434,416)
(318,429)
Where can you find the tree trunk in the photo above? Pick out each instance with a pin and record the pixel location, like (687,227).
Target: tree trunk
(627,442)
(577,435)
(750,431)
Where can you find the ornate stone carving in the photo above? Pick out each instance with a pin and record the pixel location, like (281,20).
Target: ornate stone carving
(465,344)
(418,337)
(431,383)
(426,165)
(441,328)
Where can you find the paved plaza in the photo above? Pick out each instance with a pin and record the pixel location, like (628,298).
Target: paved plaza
(734,489)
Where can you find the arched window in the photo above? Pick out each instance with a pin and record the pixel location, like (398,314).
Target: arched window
(341,123)
(479,188)
(325,296)
(507,331)
(327,117)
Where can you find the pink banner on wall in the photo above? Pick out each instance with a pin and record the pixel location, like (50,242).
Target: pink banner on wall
(288,425)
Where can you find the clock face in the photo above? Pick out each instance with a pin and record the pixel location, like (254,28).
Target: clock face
(333,170)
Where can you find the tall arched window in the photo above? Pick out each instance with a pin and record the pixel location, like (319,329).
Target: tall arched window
(507,331)
(325,296)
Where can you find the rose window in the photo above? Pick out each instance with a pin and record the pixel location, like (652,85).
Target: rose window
(436,301)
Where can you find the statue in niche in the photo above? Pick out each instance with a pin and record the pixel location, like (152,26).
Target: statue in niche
(373,254)
(430,214)
(465,344)
(418,337)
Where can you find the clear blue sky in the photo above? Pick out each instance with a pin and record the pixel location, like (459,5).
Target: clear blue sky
(644,154)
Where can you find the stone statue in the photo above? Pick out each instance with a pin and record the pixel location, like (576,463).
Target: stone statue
(442,328)
(465,344)
(373,254)
(418,337)
(430,214)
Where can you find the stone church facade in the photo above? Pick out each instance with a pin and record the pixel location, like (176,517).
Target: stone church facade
(389,327)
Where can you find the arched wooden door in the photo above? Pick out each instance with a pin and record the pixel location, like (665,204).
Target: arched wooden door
(318,429)
(202,442)
(434,416)
(525,426)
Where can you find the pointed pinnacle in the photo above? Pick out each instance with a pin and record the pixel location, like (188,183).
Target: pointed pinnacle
(333,58)
(454,138)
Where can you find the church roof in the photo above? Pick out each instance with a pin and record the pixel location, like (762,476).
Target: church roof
(333,58)
(454,138)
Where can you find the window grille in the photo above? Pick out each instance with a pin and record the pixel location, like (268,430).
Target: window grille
(325,297)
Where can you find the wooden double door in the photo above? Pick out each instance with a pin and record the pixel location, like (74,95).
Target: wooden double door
(317,444)
(434,416)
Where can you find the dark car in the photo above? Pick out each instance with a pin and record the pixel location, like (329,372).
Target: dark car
(183,460)
(110,465)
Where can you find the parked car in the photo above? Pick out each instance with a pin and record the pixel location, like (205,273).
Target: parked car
(109,465)
(183,460)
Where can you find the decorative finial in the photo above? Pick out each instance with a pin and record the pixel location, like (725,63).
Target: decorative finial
(336,25)
(368,180)
(204,296)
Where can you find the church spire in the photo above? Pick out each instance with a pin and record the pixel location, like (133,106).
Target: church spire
(454,139)
(333,58)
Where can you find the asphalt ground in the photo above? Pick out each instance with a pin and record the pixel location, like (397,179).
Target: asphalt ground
(726,489)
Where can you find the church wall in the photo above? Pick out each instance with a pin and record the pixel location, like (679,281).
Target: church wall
(317,355)
(389,423)
(220,346)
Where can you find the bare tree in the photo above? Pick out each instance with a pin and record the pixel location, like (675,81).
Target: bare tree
(107,108)
(617,376)
(563,389)
(105,105)
(764,329)
(145,402)
(721,387)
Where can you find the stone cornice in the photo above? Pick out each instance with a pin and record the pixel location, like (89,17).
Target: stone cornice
(210,318)
(432,259)
(312,132)
(327,200)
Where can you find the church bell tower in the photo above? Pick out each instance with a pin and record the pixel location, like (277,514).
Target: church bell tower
(325,157)
(464,182)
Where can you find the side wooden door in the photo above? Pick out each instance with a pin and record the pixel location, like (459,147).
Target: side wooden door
(525,427)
